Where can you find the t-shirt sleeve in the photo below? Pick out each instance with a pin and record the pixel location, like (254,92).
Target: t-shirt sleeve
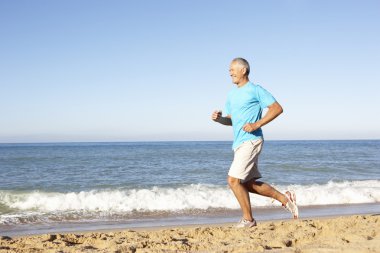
(264,97)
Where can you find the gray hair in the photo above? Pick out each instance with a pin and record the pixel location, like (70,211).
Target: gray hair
(244,63)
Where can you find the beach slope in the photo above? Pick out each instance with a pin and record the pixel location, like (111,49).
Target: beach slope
(359,233)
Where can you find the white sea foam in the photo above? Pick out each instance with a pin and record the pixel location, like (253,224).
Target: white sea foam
(183,198)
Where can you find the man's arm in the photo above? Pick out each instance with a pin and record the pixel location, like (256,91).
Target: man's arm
(274,110)
(217,117)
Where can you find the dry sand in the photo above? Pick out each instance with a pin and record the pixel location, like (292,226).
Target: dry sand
(347,234)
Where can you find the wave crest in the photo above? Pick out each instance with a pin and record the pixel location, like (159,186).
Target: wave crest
(197,196)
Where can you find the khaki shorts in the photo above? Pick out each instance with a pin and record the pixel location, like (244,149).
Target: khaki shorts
(245,163)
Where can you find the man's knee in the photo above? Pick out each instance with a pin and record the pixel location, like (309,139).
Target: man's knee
(232,181)
(252,183)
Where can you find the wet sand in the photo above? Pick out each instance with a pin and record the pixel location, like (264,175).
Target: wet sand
(204,218)
(358,233)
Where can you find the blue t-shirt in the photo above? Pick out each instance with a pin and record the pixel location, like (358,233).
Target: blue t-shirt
(245,105)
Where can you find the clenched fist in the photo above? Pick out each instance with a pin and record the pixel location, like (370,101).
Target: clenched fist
(216,115)
(250,127)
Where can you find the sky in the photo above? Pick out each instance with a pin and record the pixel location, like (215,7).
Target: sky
(155,70)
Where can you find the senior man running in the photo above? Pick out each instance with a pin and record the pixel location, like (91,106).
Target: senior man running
(244,107)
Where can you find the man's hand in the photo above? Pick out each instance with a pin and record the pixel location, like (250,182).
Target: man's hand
(274,110)
(250,127)
(216,115)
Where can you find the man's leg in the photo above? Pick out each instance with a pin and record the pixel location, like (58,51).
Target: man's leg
(265,189)
(261,188)
(242,195)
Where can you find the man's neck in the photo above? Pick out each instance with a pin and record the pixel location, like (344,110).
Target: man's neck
(243,82)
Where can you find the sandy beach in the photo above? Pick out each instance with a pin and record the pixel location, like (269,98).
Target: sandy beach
(358,233)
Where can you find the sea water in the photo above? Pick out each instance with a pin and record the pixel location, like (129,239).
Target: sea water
(134,182)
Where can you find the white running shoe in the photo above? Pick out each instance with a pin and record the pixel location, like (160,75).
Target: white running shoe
(243,223)
(291,206)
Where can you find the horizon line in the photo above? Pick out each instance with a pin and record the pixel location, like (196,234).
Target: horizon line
(155,141)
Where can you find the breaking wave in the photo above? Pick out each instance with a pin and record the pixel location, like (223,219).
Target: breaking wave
(38,206)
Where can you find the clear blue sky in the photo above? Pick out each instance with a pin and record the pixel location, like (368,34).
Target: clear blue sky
(155,70)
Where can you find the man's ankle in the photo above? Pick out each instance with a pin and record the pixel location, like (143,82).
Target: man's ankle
(249,219)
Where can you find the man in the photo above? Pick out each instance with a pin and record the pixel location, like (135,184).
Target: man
(244,107)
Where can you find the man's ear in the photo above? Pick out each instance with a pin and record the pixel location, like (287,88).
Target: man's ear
(244,70)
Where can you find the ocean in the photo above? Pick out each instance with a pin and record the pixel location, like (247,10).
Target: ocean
(79,186)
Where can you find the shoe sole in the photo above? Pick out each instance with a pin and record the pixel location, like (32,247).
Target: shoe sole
(292,196)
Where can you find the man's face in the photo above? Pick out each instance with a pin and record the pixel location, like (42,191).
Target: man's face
(237,72)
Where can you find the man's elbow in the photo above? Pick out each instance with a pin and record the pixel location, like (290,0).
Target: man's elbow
(277,108)
(280,109)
